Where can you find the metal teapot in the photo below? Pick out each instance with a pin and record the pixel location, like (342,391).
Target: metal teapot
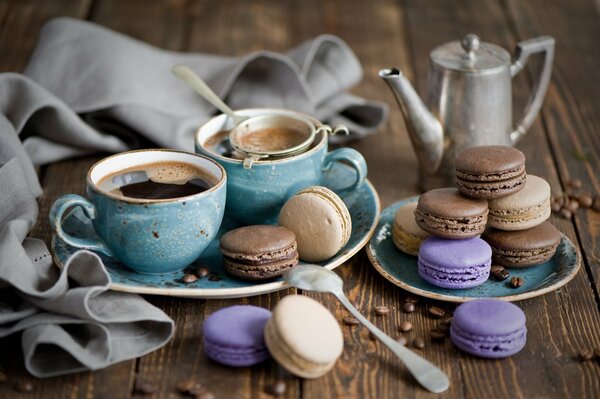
(469,102)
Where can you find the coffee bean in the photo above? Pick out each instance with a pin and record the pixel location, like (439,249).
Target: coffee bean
(145,387)
(575,183)
(447,321)
(443,327)
(586,354)
(350,321)
(184,386)
(418,343)
(189,278)
(381,310)
(437,334)
(406,326)
(566,213)
(408,307)
(277,388)
(24,386)
(499,273)
(586,200)
(214,277)
(555,206)
(205,395)
(402,340)
(412,299)
(560,200)
(436,312)
(202,272)
(517,282)
(197,390)
(573,205)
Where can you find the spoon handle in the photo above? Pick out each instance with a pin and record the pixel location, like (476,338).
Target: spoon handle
(428,375)
(187,75)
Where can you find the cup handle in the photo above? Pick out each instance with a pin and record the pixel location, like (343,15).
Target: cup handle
(354,158)
(59,208)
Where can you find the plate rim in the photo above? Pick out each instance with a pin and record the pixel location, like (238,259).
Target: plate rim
(239,292)
(460,299)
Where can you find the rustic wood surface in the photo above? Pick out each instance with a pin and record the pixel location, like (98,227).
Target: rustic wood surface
(564,143)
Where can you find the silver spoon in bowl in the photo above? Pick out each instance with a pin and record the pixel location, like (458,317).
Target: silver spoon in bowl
(320,279)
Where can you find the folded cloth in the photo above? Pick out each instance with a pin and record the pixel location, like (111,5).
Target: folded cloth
(87,89)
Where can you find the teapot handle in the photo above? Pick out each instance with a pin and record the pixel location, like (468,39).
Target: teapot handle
(524,50)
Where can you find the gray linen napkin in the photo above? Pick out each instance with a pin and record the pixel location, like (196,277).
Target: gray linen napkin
(87,89)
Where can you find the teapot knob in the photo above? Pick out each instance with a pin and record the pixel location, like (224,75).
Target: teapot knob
(471,44)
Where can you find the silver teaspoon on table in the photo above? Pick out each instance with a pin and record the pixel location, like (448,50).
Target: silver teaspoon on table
(320,279)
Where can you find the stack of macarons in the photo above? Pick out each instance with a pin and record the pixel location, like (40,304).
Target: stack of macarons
(301,334)
(314,225)
(493,191)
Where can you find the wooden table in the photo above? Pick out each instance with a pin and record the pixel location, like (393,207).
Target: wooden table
(564,143)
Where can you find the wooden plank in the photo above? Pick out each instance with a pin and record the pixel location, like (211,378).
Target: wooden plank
(571,109)
(547,366)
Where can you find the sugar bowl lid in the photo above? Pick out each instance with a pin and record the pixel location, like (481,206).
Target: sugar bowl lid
(470,55)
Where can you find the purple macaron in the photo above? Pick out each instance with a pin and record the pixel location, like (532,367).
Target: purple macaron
(455,264)
(233,336)
(489,328)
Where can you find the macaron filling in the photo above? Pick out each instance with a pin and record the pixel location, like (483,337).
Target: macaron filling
(433,223)
(448,277)
(497,176)
(523,257)
(235,355)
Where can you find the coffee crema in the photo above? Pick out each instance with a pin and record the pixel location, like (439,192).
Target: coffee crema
(272,139)
(159,180)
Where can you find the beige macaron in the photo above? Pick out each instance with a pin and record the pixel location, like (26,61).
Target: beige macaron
(406,233)
(320,220)
(303,336)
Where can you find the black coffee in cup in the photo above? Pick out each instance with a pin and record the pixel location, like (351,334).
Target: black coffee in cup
(160,180)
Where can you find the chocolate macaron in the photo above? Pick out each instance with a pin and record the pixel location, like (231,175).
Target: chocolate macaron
(259,252)
(445,212)
(523,248)
(524,209)
(490,171)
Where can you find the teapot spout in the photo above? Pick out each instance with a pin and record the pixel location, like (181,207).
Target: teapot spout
(424,129)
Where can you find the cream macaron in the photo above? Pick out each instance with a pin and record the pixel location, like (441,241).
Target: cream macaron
(522,210)
(406,233)
(320,220)
(303,336)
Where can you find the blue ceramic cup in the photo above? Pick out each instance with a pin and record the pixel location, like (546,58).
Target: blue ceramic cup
(256,195)
(148,235)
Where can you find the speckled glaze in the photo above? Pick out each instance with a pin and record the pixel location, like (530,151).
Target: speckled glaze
(363,205)
(401,269)
(257,194)
(149,236)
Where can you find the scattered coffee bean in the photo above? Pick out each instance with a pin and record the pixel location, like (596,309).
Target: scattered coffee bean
(437,334)
(406,326)
(586,354)
(350,321)
(418,343)
(586,200)
(214,277)
(517,282)
(555,206)
(3,376)
(412,299)
(597,353)
(184,386)
(447,322)
(202,272)
(443,327)
(402,340)
(204,395)
(372,336)
(560,200)
(381,310)
(24,386)
(436,312)
(277,388)
(575,183)
(197,390)
(408,307)
(145,387)
(565,213)
(189,278)
(573,205)
(499,273)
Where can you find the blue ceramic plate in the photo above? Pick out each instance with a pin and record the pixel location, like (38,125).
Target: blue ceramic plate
(363,205)
(401,269)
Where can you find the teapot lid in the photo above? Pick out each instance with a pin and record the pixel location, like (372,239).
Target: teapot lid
(470,55)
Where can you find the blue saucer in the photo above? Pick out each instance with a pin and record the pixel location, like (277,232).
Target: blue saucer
(363,205)
(401,269)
